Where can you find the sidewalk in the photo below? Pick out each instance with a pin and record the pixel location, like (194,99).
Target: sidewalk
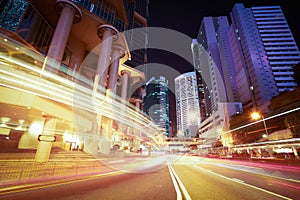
(20,169)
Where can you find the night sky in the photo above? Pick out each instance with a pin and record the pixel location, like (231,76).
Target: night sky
(186,16)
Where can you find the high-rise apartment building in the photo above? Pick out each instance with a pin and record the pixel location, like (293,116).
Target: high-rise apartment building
(187,105)
(265,54)
(254,57)
(156,103)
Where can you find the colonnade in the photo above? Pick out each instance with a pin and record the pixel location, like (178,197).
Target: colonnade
(106,76)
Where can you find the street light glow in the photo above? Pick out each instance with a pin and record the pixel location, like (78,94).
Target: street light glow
(255,115)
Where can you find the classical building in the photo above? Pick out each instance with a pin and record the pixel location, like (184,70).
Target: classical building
(68,57)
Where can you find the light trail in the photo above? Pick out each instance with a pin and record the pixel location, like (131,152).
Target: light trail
(265,119)
(33,79)
(243,183)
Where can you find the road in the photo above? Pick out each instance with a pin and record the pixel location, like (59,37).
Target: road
(223,179)
(119,186)
(196,177)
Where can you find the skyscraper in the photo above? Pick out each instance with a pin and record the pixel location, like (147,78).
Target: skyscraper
(187,105)
(253,56)
(137,12)
(267,52)
(197,53)
(156,103)
(211,60)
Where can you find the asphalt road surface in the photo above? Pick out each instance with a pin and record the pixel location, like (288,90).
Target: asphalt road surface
(190,177)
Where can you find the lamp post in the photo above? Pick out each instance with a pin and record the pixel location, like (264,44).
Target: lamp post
(256,115)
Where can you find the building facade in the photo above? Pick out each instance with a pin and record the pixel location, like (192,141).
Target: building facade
(210,62)
(156,103)
(211,59)
(74,45)
(266,53)
(187,105)
(254,56)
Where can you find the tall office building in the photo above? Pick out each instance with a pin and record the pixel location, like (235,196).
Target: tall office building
(254,57)
(211,60)
(187,105)
(211,63)
(156,103)
(197,53)
(265,54)
(138,14)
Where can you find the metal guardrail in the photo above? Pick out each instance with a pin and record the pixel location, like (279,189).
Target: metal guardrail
(28,170)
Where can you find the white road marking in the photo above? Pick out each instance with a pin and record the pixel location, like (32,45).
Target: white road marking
(243,183)
(237,180)
(178,193)
(237,167)
(294,180)
(116,161)
(184,191)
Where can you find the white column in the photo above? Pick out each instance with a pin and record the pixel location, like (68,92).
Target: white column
(117,53)
(105,33)
(125,78)
(69,14)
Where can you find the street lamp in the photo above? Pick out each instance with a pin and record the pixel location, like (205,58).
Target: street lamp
(256,115)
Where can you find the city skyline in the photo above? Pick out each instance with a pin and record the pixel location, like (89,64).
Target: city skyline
(168,14)
(85,108)
(165,15)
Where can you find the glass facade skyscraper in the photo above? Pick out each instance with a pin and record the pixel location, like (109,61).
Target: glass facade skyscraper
(218,98)
(156,103)
(187,105)
(210,66)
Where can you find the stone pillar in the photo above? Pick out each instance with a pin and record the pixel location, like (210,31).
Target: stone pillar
(125,78)
(125,74)
(69,14)
(105,33)
(117,53)
(44,147)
